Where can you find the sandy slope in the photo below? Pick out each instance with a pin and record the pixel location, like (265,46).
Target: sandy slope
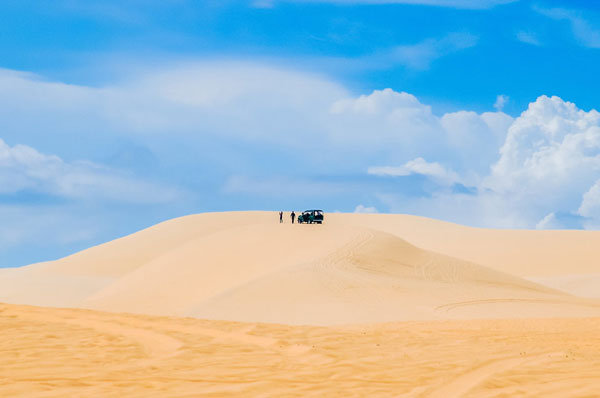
(80,353)
(434,284)
(541,256)
(353,269)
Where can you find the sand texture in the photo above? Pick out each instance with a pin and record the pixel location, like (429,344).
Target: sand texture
(235,304)
(353,269)
(79,353)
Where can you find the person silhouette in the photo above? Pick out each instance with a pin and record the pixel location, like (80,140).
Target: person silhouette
(293,215)
(280,217)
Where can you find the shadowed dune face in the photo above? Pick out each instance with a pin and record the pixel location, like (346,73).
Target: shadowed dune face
(517,252)
(353,269)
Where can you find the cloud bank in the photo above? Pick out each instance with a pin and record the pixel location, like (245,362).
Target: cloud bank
(547,173)
(24,169)
(519,170)
(234,135)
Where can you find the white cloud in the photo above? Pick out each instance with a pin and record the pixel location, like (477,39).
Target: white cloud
(365,210)
(550,159)
(584,32)
(263,132)
(546,174)
(255,104)
(385,121)
(590,204)
(383,103)
(402,129)
(501,100)
(474,139)
(248,101)
(418,166)
(481,209)
(553,144)
(518,170)
(24,169)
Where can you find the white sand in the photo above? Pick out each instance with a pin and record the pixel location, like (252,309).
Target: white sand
(435,284)
(245,266)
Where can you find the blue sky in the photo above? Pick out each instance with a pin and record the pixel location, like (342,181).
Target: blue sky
(117,116)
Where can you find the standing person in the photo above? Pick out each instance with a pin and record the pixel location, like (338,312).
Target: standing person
(280,217)
(293,215)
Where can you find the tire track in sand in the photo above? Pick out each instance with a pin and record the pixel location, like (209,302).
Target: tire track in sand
(473,377)
(155,344)
(159,345)
(244,336)
(575,301)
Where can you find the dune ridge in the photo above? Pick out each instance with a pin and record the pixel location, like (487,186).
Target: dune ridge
(245,266)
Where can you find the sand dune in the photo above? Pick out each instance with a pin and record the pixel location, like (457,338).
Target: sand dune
(245,266)
(518,252)
(80,353)
(566,260)
(364,305)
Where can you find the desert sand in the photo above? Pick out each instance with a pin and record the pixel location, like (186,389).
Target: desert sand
(364,305)
(79,353)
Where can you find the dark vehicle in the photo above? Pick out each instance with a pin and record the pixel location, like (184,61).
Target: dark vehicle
(310,217)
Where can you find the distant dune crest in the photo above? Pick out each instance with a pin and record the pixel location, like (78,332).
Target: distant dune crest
(245,266)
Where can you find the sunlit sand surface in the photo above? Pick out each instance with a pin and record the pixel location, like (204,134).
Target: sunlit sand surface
(245,266)
(79,353)
(235,304)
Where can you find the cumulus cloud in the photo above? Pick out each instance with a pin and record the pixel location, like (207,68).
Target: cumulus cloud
(545,172)
(238,134)
(474,139)
(490,169)
(550,159)
(550,144)
(387,103)
(388,121)
(24,169)
(404,129)
(590,205)
(260,105)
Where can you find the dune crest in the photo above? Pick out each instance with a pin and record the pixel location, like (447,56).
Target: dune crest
(245,266)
